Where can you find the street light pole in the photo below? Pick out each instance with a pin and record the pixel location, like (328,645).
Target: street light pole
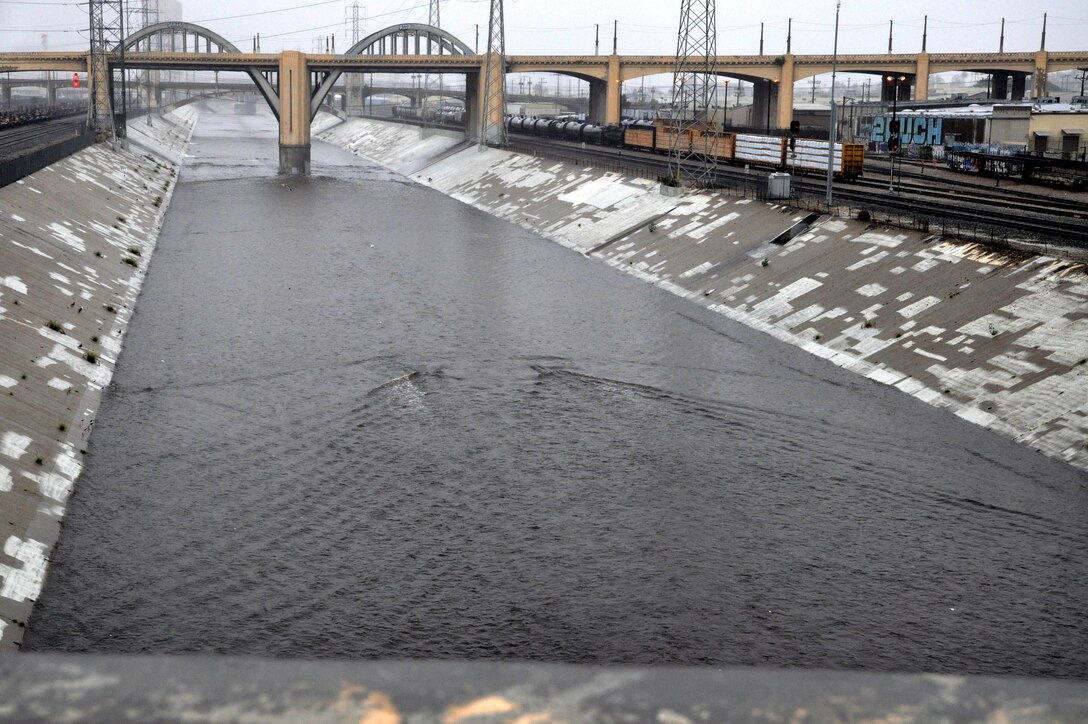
(893,128)
(832,131)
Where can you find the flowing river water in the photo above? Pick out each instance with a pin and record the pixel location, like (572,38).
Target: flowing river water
(355,418)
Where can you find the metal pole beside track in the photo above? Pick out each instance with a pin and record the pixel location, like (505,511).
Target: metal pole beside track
(832,131)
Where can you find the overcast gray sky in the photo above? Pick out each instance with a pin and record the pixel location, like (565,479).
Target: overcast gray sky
(567,26)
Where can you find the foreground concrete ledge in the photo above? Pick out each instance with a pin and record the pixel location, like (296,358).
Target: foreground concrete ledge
(78,688)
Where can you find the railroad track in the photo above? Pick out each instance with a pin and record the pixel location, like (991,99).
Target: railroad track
(15,142)
(997,216)
(943,186)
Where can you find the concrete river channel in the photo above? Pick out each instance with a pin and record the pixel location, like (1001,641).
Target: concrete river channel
(355,418)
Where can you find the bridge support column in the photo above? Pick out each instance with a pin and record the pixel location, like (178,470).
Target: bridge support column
(1039,85)
(1019,86)
(353,92)
(785,94)
(764,103)
(474,100)
(294,114)
(921,78)
(598,101)
(51,93)
(6,95)
(999,86)
(614,92)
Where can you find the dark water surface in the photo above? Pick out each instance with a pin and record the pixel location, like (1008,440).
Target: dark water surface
(354,418)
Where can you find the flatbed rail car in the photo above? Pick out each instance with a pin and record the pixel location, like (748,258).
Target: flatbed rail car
(769,151)
(1037,169)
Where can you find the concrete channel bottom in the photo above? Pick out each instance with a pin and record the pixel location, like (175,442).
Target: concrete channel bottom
(46,687)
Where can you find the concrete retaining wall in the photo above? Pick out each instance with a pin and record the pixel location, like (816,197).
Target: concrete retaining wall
(75,242)
(997,338)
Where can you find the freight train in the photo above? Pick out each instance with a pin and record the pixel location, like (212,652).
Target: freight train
(806,154)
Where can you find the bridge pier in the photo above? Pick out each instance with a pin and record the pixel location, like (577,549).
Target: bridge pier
(785,94)
(598,103)
(6,95)
(764,103)
(921,77)
(474,100)
(1019,86)
(294,114)
(999,86)
(1039,79)
(51,93)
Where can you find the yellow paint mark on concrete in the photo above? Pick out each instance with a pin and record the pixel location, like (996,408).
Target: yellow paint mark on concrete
(347,700)
(536,717)
(379,709)
(485,706)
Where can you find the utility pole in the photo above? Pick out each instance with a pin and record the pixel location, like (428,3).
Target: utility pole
(615,35)
(833,129)
(693,85)
(1001,45)
(597,40)
(107,31)
(492,119)
(925,31)
(891,25)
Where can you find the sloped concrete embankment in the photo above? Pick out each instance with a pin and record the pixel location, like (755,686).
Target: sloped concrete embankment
(403,148)
(999,339)
(75,242)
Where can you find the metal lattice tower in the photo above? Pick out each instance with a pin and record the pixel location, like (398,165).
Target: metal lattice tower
(107,31)
(354,23)
(693,90)
(493,120)
(434,21)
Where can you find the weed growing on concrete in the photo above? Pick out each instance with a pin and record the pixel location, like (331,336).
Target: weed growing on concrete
(62,427)
(133,250)
(22,376)
(764,262)
(130,261)
(37,461)
(157,202)
(54,326)
(91,357)
(98,254)
(868,324)
(121,219)
(110,308)
(95,339)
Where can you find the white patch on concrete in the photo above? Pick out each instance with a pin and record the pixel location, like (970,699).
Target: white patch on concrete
(867,261)
(63,234)
(6,381)
(14,283)
(58,384)
(25,583)
(5,479)
(701,269)
(13,445)
(871,290)
(920,306)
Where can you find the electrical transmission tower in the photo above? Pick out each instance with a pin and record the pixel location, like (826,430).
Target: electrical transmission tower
(354,23)
(693,91)
(142,14)
(434,20)
(107,31)
(493,117)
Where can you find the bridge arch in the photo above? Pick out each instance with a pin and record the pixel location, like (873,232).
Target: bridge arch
(168,34)
(394,40)
(173,30)
(385,42)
